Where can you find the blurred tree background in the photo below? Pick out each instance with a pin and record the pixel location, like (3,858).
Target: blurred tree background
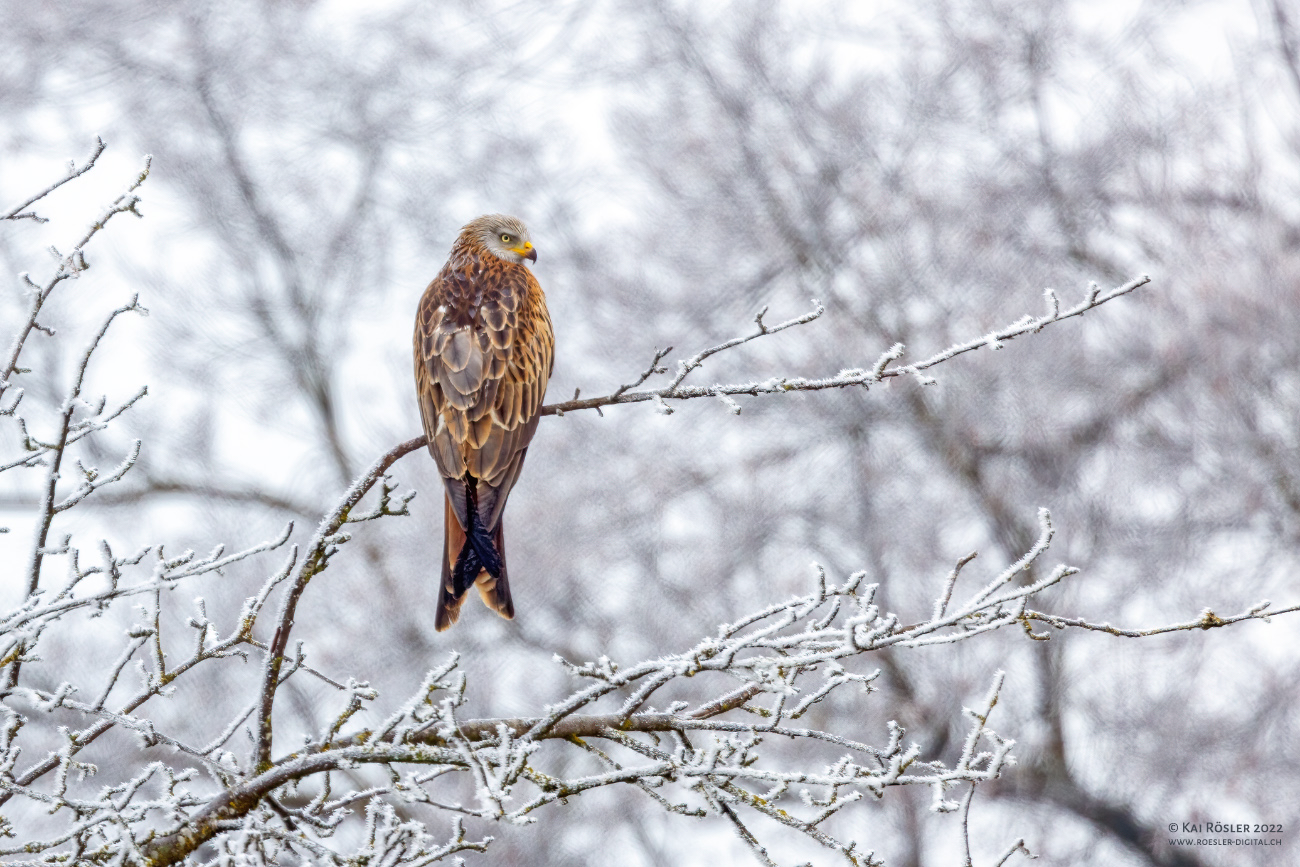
(922,170)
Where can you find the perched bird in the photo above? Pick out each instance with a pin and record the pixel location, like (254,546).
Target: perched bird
(484,350)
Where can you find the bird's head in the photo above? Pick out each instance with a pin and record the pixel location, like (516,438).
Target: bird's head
(504,237)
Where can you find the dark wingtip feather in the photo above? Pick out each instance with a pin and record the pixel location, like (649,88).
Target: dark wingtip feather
(482,544)
(466,571)
(478,536)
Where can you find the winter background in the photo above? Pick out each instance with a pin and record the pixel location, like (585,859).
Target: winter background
(923,170)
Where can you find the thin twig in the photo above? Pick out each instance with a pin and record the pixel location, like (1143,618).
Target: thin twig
(73,172)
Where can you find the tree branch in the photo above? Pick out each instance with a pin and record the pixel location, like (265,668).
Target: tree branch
(322,546)
(73,172)
(675,390)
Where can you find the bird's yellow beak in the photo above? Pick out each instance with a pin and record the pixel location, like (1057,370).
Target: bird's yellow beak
(526,251)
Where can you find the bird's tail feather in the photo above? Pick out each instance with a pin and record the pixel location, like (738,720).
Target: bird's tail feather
(479,562)
(449,602)
(479,552)
(495,589)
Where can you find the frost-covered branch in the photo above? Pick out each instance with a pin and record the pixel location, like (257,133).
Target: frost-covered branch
(1262,610)
(767,653)
(772,666)
(49,504)
(74,171)
(70,266)
(28,624)
(115,823)
(323,545)
(676,390)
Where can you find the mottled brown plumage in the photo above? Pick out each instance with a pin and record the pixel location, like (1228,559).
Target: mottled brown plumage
(483,355)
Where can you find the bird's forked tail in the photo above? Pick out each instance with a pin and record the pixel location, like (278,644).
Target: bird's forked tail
(479,560)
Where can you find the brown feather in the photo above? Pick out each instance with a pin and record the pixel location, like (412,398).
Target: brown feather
(453,538)
(495,592)
(484,351)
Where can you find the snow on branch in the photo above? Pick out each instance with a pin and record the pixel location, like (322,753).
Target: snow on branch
(774,664)
(676,390)
(73,171)
(70,266)
(771,667)
(1208,620)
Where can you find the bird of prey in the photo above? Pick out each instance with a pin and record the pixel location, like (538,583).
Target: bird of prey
(484,350)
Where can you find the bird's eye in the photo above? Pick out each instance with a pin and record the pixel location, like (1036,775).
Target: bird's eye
(505,238)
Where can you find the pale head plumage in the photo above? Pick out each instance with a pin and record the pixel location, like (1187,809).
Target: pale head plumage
(501,235)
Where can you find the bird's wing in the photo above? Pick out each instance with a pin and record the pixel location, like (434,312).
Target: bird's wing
(483,356)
